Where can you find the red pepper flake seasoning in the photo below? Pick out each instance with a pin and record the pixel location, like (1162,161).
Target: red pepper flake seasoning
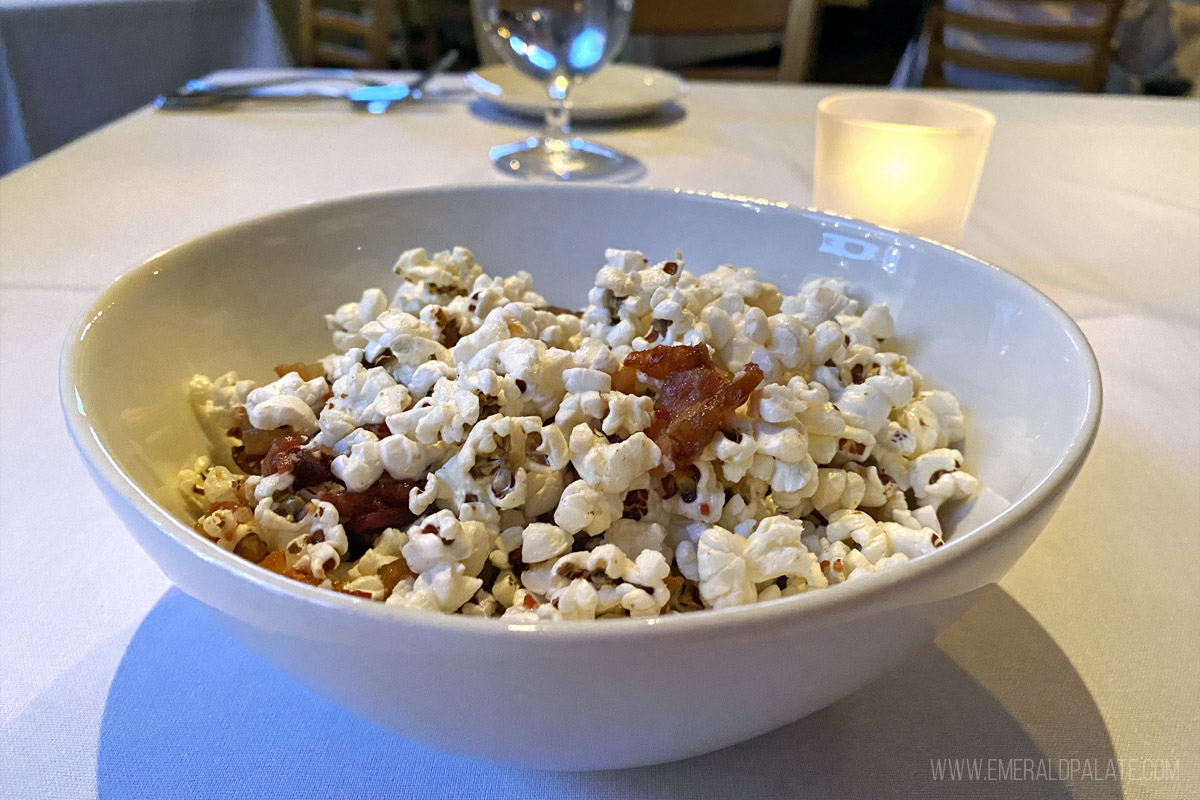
(695,399)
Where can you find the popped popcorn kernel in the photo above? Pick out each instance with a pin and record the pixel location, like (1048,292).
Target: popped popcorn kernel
(682,442)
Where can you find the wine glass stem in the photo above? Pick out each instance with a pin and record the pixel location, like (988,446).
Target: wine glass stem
(558,116)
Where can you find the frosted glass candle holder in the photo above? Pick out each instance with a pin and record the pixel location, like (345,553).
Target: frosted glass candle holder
(907,161)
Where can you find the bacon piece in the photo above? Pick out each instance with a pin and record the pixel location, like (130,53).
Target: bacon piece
(305,371)
(310,468)
(280,454)
(694,400)
(255,444)
(287,454)
(364,515)
(660,362)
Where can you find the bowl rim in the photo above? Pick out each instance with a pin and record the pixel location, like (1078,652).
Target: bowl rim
(735,619)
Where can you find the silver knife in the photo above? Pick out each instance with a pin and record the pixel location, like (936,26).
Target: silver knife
(378,99)
(307,75)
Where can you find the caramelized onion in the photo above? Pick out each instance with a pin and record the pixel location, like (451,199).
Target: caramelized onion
(306,371)
(276,561)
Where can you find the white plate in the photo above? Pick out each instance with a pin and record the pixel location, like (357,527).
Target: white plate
(619,91)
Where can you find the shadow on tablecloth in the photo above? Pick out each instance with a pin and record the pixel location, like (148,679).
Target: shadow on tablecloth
(191,713)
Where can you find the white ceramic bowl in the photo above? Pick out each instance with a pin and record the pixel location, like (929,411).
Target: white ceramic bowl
(573,695)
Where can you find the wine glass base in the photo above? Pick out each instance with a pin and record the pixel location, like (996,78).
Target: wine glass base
(571,159)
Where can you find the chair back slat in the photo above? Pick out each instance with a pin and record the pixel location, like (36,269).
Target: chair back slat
(371,23)
(1089,74)
(795,19)
(1041,70)
(707,17)
(1017,30)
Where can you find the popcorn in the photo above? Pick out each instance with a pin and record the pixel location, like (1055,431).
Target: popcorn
(541,542)
(445,587)
(433,281)
(724,575)
(493,456)
(405,341)
(359,465)
(348,320)
(612,467)
(205,484)
(214,401)
(588,584)
(440,538)
(500,462)
(444,416)
(585,509)
(935,478)
(289,402)
(775,550)
(634,537)
(837,489)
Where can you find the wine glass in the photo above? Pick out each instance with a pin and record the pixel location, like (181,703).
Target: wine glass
(559,42)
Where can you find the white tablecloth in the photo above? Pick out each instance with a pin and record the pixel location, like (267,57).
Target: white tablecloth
(1082,660)
(69,66)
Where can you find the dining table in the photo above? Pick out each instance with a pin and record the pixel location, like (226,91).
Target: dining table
(1074,677)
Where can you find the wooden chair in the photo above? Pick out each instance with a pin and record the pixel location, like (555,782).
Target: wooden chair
(1089,74)
(360,34)
(796,19)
